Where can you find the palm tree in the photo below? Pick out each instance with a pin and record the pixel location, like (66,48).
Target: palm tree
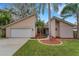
(40,26)
(42,8)
(72,10)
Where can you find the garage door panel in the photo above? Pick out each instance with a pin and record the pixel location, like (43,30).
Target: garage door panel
(21,32)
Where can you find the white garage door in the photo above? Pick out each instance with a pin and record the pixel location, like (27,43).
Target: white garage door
(21,32)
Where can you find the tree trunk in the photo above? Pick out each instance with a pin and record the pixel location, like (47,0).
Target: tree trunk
(78,25)
(49,18)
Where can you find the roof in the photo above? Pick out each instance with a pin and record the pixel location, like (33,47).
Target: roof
(62,20)
(18,21)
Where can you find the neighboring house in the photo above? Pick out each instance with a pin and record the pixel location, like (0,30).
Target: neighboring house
(21,28)
(61,28)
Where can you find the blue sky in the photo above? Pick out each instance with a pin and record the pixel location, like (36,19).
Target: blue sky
(45,15)
(3,5)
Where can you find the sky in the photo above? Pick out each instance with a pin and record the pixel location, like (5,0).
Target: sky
(45,15)
(3,5)
(57,14)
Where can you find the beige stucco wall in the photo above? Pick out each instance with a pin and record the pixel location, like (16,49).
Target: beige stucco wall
(65,30)
(53,28)
(28,23)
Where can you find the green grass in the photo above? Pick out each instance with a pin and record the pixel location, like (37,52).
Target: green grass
(34,48)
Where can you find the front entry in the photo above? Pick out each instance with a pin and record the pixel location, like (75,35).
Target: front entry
(44,33)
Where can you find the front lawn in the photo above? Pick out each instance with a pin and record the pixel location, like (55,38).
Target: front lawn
(34,48)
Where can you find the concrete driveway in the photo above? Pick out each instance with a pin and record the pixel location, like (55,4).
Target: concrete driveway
(9,46)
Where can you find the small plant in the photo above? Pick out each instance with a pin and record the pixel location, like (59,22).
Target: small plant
(40,26)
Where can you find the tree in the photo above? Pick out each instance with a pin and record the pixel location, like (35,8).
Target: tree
(42,8)
(40,26)
(72,10)
(5,17)
(22,9)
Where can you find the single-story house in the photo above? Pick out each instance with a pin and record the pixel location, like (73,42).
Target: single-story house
(60,28)
(26,28)
(21,28)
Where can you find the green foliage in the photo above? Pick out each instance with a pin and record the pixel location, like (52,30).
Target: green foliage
(69,10)
(40,24)
(5,17)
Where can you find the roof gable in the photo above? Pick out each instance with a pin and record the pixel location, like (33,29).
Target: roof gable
(18,21)
(62,20)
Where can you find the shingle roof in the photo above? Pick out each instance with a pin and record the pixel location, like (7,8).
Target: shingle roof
(62,20)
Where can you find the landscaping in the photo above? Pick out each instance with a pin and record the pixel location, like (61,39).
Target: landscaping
(52,41)
(34,48)
(46,22)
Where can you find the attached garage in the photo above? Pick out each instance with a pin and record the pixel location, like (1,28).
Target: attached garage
(21,32)
(22,28)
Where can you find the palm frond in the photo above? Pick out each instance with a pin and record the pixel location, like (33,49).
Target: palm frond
(69,9)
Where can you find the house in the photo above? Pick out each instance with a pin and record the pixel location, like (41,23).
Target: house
(21,28)
(61,28)
(26,28)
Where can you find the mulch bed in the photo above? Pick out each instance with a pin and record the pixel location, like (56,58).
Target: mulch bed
(51,41)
